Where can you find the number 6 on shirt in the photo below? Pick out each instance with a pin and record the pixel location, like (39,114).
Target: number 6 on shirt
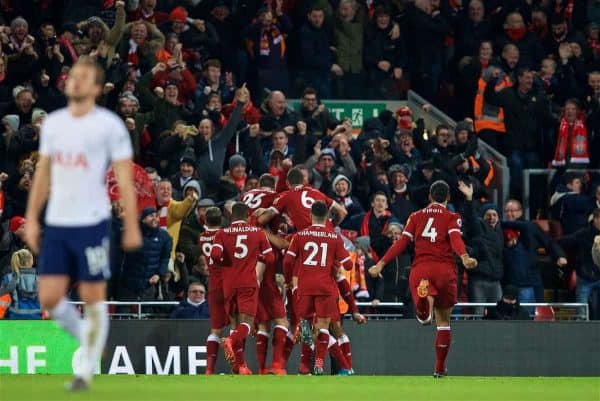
(239,244)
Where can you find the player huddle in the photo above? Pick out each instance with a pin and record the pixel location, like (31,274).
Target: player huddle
(242,259)
(244,256)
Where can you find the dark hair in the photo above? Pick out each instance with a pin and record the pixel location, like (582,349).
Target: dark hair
(570,177)
(378,193)
(213,216)
(522,71)
(267,180)
(309,91)
(441,127)
(150,170)
(573,101)
(319,210)
(196,282)
(212,63)
(439,191)
(295,176)
(315,7)
(239,211)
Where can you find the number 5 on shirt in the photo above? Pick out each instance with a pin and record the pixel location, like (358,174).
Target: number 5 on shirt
(239,244)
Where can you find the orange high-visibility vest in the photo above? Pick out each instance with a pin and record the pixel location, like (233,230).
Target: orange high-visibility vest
(5,301)
(487,116)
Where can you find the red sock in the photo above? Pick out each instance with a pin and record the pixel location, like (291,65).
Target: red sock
(336,353)
(346,348)
(262,344)
(442,347)
(306,356)
(212,349)
(321,348)
(347,295)
(422,308)
(279,341)
(238,338)
(288,347)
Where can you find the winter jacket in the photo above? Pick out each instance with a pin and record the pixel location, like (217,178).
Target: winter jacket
(531,51)
(23,289)
(315,54)
(210,162)
(520,261)
(317,126)
(176,213)
(525,116)
(380,47)
(151,259)
(571,209)
(487,243)
(112,36)
(583,240)
(348,38)
(147,51)
(185,310)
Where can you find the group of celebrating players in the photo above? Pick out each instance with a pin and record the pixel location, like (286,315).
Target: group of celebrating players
(243,257)
(79,141)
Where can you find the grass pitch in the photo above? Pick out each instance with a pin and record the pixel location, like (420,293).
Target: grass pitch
(296,388)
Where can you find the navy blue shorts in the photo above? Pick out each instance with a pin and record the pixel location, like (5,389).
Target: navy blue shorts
(79,252)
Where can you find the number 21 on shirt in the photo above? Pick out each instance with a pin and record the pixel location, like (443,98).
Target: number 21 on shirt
(314,248)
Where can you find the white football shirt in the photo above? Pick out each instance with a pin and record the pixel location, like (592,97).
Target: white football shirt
(80,150)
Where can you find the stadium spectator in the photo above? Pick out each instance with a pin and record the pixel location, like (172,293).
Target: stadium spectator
(146,10)
(375,225)
(186,175)
(584,241)
(315,56)
(317,117)
(213,82)
(485,236)
(348,37)
(12,239)
(22,286)
(515,32)
(508,308)
(172,212)
(522,239)
(176,280)
(342,188)
(144,268)
(571,206)
(194,306)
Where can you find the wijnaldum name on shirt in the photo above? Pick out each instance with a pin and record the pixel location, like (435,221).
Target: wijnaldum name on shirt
(240,229)
(323,234)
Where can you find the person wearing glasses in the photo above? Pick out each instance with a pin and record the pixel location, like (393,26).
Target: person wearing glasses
(195,305)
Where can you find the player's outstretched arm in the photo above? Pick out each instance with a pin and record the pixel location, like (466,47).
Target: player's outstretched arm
(132,237)
(340,213)
(37,198)
(265,217)
(392,253)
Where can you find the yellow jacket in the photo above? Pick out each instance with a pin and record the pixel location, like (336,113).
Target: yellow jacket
(176,213)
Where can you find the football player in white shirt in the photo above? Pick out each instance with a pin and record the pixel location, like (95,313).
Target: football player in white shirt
(77,144)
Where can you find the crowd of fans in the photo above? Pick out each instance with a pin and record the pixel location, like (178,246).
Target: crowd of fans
(524,76)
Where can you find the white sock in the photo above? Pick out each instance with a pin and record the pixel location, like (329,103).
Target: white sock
(68,317)
(94,335)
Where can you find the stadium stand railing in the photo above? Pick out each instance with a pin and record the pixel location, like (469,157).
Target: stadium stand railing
(463,311)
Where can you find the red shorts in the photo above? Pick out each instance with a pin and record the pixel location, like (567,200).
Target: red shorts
(216,308)
(442,283)
(241,300)
(270,305)
(310,306)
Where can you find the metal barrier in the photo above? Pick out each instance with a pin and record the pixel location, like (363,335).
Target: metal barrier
(550,172)
(138,306)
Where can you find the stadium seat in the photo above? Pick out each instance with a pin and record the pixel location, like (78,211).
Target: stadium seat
(544,313)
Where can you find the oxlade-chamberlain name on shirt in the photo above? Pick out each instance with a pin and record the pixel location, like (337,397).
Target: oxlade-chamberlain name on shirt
(323,234)
(241,229)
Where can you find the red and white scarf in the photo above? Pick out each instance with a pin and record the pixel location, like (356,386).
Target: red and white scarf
(163,213)
(572,141)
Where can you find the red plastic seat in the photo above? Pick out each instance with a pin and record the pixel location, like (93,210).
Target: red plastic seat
(544,313)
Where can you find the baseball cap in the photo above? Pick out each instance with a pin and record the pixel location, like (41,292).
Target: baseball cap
(15,223)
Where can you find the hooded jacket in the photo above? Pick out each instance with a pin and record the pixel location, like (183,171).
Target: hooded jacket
(112,36)
(146,52)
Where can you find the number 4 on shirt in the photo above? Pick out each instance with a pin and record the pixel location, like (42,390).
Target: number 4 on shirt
(429,231)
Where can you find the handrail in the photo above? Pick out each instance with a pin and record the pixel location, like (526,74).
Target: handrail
(141,304)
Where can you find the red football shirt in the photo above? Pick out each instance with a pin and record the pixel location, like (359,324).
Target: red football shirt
(431,230)
(260,198)
(239,248)
(215,272)
(296,203)
(317,251)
